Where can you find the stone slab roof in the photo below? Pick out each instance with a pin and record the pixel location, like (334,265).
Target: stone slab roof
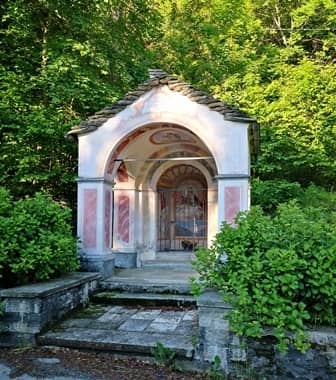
(160,78)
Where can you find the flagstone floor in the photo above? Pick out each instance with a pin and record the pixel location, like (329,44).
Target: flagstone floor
(124,328)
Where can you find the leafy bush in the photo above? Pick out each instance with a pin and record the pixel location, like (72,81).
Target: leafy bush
(35,240)
(269,194)
(278,272)
(164,355)
(316,196)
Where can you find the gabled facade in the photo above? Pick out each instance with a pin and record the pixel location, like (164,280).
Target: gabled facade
(160,170)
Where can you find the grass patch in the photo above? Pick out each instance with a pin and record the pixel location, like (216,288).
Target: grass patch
(89,311)
(111,294)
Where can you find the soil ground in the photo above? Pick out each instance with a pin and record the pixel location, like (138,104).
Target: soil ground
(85,365)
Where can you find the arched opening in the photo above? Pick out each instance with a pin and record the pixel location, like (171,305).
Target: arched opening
(182,209)
(162,174)
(152,144)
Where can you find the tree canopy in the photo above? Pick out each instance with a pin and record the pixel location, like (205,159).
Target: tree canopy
(62,60)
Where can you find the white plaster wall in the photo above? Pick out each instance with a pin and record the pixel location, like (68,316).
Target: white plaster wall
(227,141)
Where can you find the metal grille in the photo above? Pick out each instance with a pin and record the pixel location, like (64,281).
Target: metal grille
(182,219)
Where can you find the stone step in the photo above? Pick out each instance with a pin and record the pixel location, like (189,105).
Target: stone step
(127,343)
(175,256)
(143,299)
(132,286)
(150,280)
(168,264)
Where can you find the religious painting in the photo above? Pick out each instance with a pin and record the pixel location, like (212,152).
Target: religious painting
(170,136)
(190,213)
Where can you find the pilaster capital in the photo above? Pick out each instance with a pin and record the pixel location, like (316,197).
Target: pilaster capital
(95,180)
(231,176)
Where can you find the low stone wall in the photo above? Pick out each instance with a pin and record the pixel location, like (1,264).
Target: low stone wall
(259,358)
(29,309)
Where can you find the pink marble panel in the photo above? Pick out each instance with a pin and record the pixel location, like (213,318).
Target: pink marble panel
(123,218)
(232,203)
(90,218)
(107,219)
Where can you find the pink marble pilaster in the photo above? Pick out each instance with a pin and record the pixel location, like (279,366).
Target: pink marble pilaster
(232,203)
(90,218)
(107,219)
(123,218)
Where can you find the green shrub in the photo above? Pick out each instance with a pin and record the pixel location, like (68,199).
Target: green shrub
(316,196)
(164,355)
(35,240)
(278,272)
(270,193)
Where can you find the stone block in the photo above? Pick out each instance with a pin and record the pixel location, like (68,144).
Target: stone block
(330,354)
(212,299)
(102,264)
(30,305)
(17,340)
(213,320)
(211,352)
(125,259)
(323,337)
(237,351)
(28,309)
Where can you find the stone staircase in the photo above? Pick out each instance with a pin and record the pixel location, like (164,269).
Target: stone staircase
(133,311)
(169,272)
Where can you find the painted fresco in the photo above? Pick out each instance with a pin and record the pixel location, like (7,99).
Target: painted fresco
(170,136)
(190,213)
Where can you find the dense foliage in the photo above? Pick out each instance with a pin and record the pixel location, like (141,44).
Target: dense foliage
(277,271)
(36,242)
(270,193)
(275,59)
(61,60)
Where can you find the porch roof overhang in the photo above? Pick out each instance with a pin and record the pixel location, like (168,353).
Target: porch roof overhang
(161,78)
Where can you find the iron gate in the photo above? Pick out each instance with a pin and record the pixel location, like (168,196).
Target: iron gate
(182,219)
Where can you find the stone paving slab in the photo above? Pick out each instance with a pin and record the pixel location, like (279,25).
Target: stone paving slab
(185,328)
(119,315)
(127,329)
(146,314)
(135,325)
(162,327)
(170,317)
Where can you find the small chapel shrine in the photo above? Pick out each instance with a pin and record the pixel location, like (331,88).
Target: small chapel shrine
(160,171)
